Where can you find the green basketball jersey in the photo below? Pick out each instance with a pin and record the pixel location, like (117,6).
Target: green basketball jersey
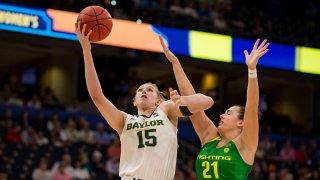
(224,163)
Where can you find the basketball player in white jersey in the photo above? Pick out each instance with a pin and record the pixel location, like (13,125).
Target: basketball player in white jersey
(149,139)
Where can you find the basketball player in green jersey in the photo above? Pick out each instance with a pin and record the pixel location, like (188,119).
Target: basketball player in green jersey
(149,139)
(228,151)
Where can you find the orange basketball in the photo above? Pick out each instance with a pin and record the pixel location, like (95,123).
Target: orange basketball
(96,19)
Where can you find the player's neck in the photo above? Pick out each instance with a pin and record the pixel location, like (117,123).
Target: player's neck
(147,112)
(227,137)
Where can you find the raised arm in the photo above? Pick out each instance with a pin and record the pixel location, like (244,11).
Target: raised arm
(113,116)
(250,131)
(203,126)
(196,103)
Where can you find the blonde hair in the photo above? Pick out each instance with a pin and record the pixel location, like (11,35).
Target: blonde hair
(161,95)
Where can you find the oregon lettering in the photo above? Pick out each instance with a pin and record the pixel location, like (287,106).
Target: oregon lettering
(19,19)
(205,157)
(144,124)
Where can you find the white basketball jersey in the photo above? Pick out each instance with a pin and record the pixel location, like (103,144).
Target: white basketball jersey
(148,147)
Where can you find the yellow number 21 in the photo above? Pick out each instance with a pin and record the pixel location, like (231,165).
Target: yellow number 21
(207,166)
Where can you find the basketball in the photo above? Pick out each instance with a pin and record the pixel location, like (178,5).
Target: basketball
(96,19)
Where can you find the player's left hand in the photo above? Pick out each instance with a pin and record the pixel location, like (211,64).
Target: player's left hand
(256,52)
(175,97)
(169,55)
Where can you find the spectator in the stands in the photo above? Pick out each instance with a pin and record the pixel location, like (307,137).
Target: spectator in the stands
(176,7)
(260,154)
(86,134)
(112,167)
(113,153)
(54,122)
(188,168)
(71,133)
(34,102)
(80,173)
(301,155)
(120,13)
(8,118)
(14,134)
(41,139)
(101,136)
(218,21)
(24,120)
(42,172)
(179,175)
(40,123)
(29,136)
(190,10)
(114,149)
(15,100)
(64,164)
(256,172)
(272,152)
(84,160)
(61,173)
(287,152)
(74,106)
(56,139)
(312,150)
(97,163)
(203,10)
(49,99)
(284,174)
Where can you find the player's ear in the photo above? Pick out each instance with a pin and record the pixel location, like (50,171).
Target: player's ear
(240,123)
(159,101)
(134,101)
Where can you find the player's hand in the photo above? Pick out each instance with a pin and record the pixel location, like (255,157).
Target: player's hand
(169,55)
(83,39)
(256,52)
(175,97)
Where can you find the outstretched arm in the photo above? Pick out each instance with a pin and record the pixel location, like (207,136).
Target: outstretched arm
(250,132)
(195,102)
(114,117)
(203,126)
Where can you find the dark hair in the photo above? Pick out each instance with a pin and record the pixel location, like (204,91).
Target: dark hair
(241,112)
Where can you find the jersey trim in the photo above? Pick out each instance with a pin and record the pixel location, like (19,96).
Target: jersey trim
(219,138)
(215,139)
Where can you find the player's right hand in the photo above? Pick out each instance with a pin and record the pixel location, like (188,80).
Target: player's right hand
(256,53)
(83,39)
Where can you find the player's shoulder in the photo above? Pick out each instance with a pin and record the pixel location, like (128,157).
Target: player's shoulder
(165,106)
(125,115)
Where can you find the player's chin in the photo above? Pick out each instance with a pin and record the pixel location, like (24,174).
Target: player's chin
(220,127)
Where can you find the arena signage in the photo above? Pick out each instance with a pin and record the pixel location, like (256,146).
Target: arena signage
(30,21)
(143,36)
(19,19)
